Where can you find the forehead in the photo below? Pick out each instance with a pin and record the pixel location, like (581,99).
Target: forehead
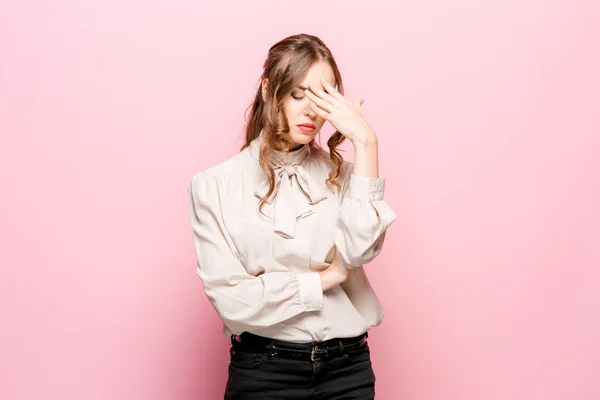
(318,70)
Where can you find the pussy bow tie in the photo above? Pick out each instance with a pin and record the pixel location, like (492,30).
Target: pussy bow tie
(294,195)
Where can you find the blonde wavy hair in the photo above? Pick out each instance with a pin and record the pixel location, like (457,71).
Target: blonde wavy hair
(287,63)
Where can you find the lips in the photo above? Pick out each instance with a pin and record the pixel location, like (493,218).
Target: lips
(310,126)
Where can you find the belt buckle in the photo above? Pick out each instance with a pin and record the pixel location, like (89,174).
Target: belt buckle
(314,351)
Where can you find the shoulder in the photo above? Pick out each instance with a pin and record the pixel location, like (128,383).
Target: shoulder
(321,157)
(229,169)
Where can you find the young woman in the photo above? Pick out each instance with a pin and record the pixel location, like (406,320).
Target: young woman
(283,229)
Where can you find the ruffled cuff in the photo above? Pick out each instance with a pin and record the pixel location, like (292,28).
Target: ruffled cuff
(366,188)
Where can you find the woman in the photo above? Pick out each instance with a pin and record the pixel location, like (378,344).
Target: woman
(283,229)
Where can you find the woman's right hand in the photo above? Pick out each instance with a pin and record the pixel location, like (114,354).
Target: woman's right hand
(334,274)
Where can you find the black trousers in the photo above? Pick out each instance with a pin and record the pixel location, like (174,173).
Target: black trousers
(266,369)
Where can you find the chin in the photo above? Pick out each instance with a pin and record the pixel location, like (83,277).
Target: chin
(299,137)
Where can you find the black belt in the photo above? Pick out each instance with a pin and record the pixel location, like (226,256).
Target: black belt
(312,351)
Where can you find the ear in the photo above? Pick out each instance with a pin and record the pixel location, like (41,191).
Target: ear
(264,88)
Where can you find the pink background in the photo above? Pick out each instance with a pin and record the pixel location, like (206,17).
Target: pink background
(488,118)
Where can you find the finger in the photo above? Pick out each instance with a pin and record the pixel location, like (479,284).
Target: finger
(358,104)
(331,90)
(320,112)
(320,102)
(323,95)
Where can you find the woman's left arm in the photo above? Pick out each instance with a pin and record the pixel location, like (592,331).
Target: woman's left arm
(363,219)
(364,215)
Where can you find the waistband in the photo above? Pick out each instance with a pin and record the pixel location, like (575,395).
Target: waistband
(311,350)
(248,338)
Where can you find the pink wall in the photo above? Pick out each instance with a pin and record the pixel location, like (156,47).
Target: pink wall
(488,115)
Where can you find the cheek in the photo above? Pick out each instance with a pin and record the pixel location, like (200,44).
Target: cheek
(291,108)
(286,106)
(319,121)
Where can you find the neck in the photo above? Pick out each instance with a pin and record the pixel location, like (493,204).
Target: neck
(297,147)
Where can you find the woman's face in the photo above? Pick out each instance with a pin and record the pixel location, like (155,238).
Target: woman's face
(297,106)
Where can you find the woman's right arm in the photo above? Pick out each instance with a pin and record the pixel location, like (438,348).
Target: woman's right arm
(243,301)
(334,274)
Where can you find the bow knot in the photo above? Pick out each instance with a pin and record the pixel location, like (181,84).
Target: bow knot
(293,196)
(290,169)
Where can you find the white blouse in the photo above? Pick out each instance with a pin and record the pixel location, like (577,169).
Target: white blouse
(260,272)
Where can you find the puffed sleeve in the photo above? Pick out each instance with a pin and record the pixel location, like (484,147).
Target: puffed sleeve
(363,219)
(243,301)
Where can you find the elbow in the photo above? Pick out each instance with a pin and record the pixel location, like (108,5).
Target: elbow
(360,241)
(353,255)
(236,313)
(237,317)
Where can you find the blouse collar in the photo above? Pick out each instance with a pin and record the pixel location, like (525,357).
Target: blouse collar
(295,190)
(295,157)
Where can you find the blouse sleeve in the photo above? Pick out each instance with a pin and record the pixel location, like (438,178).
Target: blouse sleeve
(243,301)
(363,219)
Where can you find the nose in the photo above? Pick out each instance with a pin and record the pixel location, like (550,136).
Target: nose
(309,111)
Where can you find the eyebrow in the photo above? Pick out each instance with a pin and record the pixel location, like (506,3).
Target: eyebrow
(301,87)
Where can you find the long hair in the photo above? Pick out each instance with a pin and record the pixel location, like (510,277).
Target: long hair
(287,63)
